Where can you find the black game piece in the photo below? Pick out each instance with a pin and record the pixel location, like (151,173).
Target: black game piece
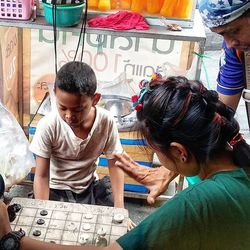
(40,221)
(12,210)
(17,207)
(37,233)
(44,212)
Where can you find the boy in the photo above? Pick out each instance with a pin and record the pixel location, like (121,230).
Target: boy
(67,143)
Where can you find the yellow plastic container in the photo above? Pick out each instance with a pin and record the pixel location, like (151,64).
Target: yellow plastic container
(178,9)
(125,4)
(93,4)
(183,9)
(104,5)
(114,4)
(154,6)
(138,5)
(168,8)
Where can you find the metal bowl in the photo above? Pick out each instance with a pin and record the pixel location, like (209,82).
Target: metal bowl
(119,106)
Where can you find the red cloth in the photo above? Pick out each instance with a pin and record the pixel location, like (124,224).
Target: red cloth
(122,20)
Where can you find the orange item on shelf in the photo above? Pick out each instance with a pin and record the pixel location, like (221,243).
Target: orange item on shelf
(114,4)
(183,9)
(93,4)
(161,2)
(125,4)
(104,5)
(138,5)
(154,6)
(168,8)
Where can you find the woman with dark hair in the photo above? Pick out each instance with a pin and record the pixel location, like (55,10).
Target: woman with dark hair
(193,133)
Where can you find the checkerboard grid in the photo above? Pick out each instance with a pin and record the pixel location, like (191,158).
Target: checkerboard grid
(45,228)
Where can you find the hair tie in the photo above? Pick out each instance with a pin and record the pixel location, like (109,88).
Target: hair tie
(236,139)
(184,109)
(217,118)
(144,85)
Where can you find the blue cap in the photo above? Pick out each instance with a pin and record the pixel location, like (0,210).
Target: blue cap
(220,12)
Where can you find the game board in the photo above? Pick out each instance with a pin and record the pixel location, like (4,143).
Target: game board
(70,223)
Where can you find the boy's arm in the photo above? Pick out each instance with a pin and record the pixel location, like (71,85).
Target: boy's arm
(41,180)
(117,183)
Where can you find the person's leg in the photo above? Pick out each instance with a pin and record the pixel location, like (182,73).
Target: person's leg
(61,195)
(103,192)
(87,197)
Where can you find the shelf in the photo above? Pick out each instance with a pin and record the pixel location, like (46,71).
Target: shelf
(196,34)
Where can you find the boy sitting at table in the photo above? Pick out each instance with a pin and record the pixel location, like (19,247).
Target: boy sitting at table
(67,143)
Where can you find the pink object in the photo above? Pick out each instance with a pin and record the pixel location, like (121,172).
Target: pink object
(122,20)
(16,9)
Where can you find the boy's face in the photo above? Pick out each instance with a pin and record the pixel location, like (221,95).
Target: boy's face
(75,109)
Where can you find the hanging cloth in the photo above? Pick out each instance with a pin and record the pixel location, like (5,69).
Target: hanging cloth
(122,20)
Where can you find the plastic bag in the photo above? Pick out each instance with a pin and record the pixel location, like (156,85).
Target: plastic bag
(119,86)
(16,160)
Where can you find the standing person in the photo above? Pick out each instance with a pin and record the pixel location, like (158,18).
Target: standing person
(231,19)
(67,143)
(213,214)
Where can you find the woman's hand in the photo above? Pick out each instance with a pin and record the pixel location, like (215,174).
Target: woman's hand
(131,224)
(4,220)
(155,179)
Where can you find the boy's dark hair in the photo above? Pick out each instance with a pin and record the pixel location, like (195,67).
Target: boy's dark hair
(77,78)
(183,111)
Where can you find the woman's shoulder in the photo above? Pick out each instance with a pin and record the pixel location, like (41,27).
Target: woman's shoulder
(220,186)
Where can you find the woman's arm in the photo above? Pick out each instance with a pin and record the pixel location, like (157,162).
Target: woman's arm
(31,244)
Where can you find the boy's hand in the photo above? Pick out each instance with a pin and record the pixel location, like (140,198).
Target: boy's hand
(4,220)
(155,179)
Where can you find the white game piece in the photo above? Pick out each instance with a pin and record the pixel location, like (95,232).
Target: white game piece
(71,226)
(89,216)
(83,239)
(86,227)
(101,232)
(118,218)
